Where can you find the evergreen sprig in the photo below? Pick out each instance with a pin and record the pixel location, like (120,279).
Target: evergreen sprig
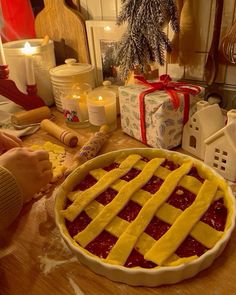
(145,41)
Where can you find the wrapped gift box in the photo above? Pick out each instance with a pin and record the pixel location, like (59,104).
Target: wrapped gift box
(162,120)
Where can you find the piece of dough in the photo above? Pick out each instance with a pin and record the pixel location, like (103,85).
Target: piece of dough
(57,155)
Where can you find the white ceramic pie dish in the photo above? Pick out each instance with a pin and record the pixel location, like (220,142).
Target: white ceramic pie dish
(138,276)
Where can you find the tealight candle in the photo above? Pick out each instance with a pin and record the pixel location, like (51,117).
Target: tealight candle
(102,108)
(2,55)
(29,66)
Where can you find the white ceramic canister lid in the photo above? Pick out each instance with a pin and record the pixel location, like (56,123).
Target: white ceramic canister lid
(70,68)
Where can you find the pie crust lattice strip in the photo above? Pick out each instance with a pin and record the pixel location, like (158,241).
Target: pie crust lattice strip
(145,216)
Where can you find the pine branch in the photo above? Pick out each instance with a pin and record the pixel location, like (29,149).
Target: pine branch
(128,11)
(174,16)
(130,52)
(157,42)
(145,41)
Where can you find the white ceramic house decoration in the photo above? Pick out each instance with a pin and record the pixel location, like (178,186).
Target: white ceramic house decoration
(221,149)
(203,123)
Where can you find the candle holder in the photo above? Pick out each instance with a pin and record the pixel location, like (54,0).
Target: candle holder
(9,90)
(74,105)
(102,109)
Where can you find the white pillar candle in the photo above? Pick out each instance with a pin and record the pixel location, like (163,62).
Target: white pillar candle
(102,108)
(82,106)
(2,55)
(29,66)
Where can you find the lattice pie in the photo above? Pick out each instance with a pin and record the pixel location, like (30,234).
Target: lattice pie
(145,216)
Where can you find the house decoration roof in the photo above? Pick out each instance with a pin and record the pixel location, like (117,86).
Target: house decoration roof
(229,131)
(209,117)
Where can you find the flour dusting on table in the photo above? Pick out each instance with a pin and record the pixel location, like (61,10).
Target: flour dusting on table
(56,248)
(47,264)
(75,287)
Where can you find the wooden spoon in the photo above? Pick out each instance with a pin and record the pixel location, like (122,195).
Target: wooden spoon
(211,65)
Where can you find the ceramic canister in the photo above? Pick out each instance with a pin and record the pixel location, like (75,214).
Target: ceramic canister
(64,77)
(43,61)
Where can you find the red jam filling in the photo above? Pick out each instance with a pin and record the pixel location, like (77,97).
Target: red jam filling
(130,211)
(193,172)
(79,224)
(181,198)
(86,183)
(102,244)
(216,215)
(107,196)
(190,247)
(169,165)
(131,174)
(153,185)
(157,228)
(137,259)
(111,166)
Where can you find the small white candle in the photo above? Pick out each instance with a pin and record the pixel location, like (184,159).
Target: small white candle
(2,55)
(102,108)
(74,105)
(82,106)
(29,66)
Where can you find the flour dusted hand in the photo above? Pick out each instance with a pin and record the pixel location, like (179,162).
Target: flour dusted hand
(31,169)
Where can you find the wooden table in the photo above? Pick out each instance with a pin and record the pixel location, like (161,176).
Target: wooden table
(38,262)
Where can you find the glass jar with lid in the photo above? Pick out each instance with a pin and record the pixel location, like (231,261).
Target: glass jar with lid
(107,85)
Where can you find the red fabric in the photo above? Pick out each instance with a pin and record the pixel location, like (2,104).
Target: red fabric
(172,88)
(186,108)
(18,20)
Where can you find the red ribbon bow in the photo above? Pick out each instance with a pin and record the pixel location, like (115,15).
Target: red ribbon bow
(172,88)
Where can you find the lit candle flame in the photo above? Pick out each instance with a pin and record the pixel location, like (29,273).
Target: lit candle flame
(100,98)
(28,50)
(76,96)
(107,28)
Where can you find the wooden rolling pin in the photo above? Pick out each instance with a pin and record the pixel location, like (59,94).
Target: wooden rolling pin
(90,149)
(31,117)
(65,136)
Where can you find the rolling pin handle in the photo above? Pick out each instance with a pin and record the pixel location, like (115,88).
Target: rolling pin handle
(65,136)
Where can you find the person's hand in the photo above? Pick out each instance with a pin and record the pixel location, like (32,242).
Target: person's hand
(31,169)
(8,141)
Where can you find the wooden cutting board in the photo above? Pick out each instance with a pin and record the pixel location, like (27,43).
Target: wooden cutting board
(66,27)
